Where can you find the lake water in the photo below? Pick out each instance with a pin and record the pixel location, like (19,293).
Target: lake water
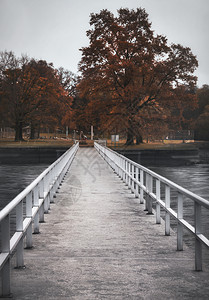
(14,178)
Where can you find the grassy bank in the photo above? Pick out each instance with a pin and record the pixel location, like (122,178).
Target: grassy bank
(120,146)
(153,146)
(36,143)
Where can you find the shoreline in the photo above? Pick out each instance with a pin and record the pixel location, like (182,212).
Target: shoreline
(43,143)
(47,151)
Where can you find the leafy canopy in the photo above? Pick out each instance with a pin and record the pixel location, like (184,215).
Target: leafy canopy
(127,69)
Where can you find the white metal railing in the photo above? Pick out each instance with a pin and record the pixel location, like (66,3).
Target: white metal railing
(153,188)
(102,142)
(28,209)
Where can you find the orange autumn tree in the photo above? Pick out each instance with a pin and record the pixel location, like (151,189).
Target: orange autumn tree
(51,101)
(127,70)
(68,81)
(31,94)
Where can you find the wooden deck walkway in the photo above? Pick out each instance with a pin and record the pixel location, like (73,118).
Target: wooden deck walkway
(98,243)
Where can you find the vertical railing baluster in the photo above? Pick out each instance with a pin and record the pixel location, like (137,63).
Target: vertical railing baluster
(132,176)
(29,241)
(141,188)
(136,185)
(158,217)
(167,205)
(19,228)
(124,167)
(46,205)
(36,204)
(41,189)
(127,172)
(146,196)
(51,186)
(5,248)
(53,189)
(149,199)
(41,196)
(114,164)
(129,175)
(19,216)
(198,230)
(179,225)
(119,167)
(41,213)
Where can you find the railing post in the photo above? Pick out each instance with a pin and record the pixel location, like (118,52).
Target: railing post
(167,205)
(113,164)
(51,181)
(121,168)
(46,204)
(129,175)
(149,199)
(198,230)
(5,248)
(29,240)
(146,196)
(116,165)
(41,196)
(158,218)
(19,228)
(41,189)
(36,204)
(41,213)
(179,225)
(141,188)
(51,194)
(126,172)
(132,177)
(124,167)
(136,184)
(53,189)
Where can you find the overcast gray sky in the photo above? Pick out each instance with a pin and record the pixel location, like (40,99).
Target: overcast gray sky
(54,30)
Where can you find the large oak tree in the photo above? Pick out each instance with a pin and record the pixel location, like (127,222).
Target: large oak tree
(128,71)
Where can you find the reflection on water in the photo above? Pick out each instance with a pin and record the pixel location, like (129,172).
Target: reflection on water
(14,178)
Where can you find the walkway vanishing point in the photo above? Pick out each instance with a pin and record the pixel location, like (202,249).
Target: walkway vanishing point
(97,242)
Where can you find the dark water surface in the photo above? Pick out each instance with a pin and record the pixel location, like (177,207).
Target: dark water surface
(192,176)
(14,178)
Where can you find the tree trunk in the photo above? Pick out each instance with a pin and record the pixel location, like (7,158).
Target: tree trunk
(32,132)
(38,132)
(130,138)
(18,131)
(139,139)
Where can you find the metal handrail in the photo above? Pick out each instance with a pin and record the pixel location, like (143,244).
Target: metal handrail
(30,206)
(141,181)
